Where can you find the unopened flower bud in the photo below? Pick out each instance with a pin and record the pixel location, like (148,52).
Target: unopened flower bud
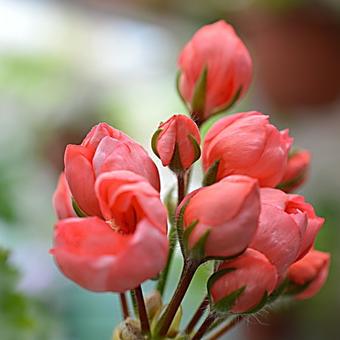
(309,274)
(177,143)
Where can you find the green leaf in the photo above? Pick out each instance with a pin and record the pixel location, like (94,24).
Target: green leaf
(154,142)
(210,175)
(77,210)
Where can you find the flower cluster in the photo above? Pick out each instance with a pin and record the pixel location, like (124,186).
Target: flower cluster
(111,233)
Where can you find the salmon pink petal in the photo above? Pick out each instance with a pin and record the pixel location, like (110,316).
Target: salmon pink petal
(81,178)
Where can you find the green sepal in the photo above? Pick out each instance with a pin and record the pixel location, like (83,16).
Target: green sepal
(176,164)
(217,275)
(226,258)
(292,183)
(278,291)
(77,209)
(186,234)
(196,146)
(224,305)
(199,95)
(259,306)
(210,175)
(154,142)
(197,252)
(294,289)
(231,104)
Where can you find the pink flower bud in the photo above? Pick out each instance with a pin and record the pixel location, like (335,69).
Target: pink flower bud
(247,144)
(121,251)
(287,229)
(104,149)
(176,143)
(310,273)
(62,200)
(251,271)
(226,213)
(215,70)
(296,171)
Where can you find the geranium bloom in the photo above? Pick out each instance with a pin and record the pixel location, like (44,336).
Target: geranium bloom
(122,250)
(310,273)
(104,149)
(287,229)
(217,50)
(228,211)
(251,271)
(247,144)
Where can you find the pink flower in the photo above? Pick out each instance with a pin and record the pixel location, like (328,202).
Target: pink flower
(176,143)
(287,229)
(228,211)
(62,200)
(296,171)
(312,271)
(247,144)
(104,149)
(251,271)
(217,49)
(122,250)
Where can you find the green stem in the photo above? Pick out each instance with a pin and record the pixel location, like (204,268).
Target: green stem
(189,269)
(143,316)
(164,275)
(204,327)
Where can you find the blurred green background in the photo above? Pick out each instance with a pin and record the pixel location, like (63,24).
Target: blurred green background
(66,65)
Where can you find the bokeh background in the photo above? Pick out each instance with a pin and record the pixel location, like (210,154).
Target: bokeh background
(66,65)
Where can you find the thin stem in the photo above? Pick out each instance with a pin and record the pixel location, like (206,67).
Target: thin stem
(197,316)
(124,305)
(134,302)
(143,316)
(226,328)
(189,269)
(204,327)
(180,187)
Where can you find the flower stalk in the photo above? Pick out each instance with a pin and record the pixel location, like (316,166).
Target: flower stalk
(143,316)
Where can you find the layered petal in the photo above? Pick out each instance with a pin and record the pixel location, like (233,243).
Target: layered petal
(62,199)
(126,198)
(97,258)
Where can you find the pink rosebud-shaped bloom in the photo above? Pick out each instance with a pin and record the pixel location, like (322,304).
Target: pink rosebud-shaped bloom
(228,211)
(62,200)
(251,271)
(217,50)
(120,252)
(104,149)
(312,271)
(176,143)
(296,171)
(247,144)
(287,228)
